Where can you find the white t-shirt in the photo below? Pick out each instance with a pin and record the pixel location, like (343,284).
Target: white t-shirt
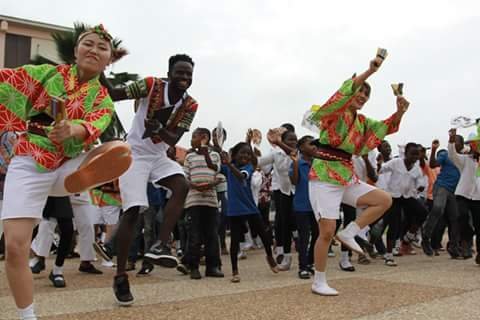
(404,183)
(142,146)
(469,184)
(281,165)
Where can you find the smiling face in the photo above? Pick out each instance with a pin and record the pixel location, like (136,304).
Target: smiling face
(243,156)
(412,154)
(93,54)
(180,76)
(361,97)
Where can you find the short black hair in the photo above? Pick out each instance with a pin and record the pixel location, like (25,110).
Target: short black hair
(204,131)
(288,126)
(303,140)
(177,58)
(411,145)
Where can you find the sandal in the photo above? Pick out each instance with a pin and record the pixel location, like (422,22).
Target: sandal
(58,280)
(235,278)
(390,263)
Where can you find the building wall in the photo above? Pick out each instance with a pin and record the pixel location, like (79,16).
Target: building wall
(41,43)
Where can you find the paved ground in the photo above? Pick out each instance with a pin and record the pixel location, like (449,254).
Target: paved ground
(419,288)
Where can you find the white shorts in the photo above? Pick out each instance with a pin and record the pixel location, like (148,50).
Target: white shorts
(144,169)
(326,197)
(26,189)
(107,215)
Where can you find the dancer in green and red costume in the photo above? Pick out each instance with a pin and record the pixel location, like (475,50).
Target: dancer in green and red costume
(343,133)
(51,157)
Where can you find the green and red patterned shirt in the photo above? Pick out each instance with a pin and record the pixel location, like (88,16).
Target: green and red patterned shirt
(343,130)
(26,92)
(106,195)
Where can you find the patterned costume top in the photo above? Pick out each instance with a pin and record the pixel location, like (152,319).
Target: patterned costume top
(26,92)
(154,88)
(106,195)
(341,129)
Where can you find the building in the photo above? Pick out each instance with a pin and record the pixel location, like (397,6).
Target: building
(21,40)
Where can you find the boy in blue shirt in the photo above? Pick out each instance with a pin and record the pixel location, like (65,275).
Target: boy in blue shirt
(306,222)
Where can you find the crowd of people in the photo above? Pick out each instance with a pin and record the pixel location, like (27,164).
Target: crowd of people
(132,200)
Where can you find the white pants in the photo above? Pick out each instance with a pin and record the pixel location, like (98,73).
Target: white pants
(26,189)
(326,198)
(107,215)
(83,221)
(144,169)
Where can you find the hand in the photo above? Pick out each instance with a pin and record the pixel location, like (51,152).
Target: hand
(452,133)
(249,136)
(294,156)
(435,144)
(274,136)
(225,157)
(402,104)
(203,150)
(375,64)
(65,130)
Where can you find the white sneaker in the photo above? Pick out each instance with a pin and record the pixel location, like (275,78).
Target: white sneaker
(258,243)
(108,264)
(349,242)
(323,290)
(286,263)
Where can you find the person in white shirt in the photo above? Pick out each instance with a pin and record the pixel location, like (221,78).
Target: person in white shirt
(468,190)
(405,182)
(283,192)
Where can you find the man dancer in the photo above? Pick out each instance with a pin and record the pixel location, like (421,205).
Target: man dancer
(165,112)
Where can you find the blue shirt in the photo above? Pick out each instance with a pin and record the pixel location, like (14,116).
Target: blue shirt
(449,174)
(240,197)
(156,196)
(301,199)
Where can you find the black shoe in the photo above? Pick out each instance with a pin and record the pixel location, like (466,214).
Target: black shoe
(89,268)
(103,251)
(161,254)
(183,269)
(279,258)
(311,269)
(72,255)
(427,247)
(58,280)
(304,274)
(455,252)
(467,253)
(348,269)
(38,267)
(130,266)
(214,273)
(195,274)
(146,269)
(121,289)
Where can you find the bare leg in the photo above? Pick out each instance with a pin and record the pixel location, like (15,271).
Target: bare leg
(18,236)
(377,202)
(327,231)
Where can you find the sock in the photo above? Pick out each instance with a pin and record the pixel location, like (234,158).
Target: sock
(279,250)
(320,278)
(344,258)
(352,229)
(57,270)
(33,261)
(389,256)
(28,313)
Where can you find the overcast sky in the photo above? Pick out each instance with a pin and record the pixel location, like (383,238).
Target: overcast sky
(263,63)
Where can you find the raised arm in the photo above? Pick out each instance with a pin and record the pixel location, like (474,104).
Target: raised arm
(452,152)
(433,154)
